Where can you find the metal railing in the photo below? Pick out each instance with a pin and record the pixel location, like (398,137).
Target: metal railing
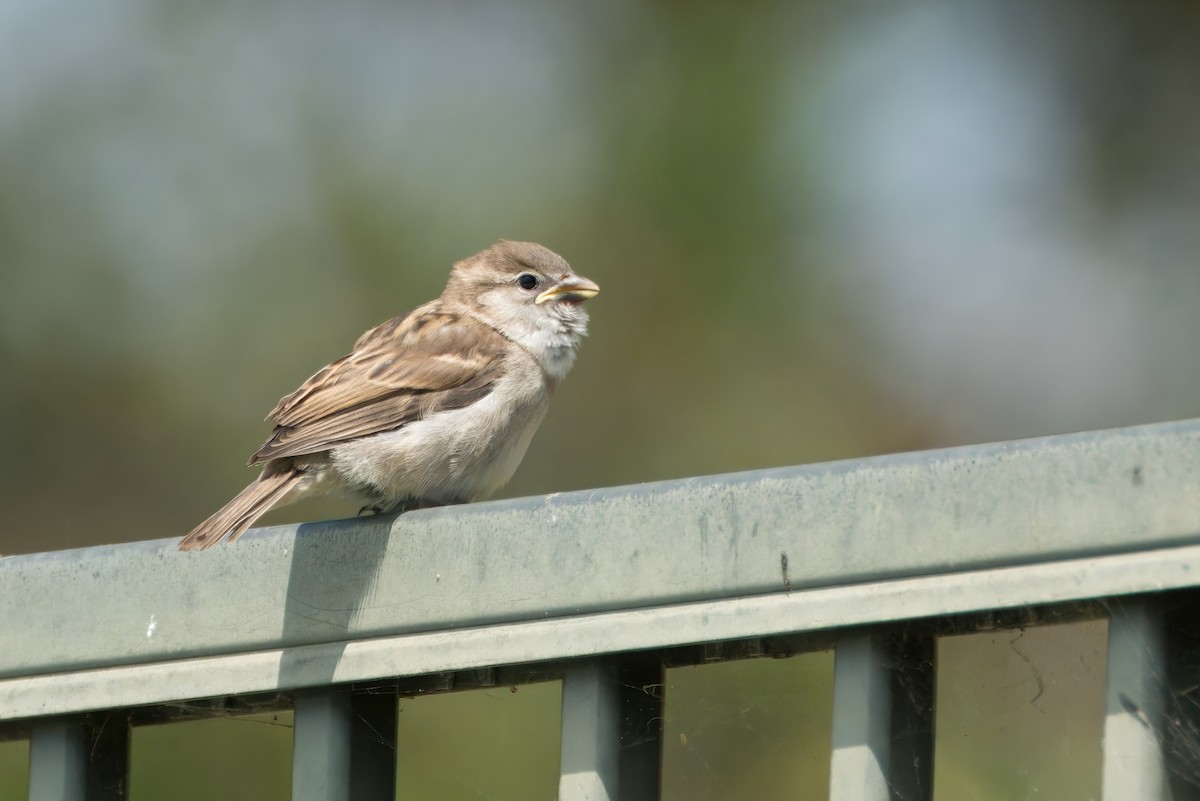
(604,587)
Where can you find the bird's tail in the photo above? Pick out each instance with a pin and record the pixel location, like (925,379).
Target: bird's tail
(240,513)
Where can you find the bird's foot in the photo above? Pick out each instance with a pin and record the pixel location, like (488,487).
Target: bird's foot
(399,507)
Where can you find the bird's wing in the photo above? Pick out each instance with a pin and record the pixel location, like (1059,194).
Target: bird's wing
(403,370)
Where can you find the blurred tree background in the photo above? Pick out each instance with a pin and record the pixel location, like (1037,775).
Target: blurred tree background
(823,230)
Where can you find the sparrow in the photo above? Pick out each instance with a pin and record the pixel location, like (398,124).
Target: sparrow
(431,408)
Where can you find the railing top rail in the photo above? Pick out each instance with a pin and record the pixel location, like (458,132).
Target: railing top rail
(740,538)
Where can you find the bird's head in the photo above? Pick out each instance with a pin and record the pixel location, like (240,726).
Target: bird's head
(527,292)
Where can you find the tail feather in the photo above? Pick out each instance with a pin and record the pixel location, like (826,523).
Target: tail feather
(240,513)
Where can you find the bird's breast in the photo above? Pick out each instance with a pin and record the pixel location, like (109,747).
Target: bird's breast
(450,456)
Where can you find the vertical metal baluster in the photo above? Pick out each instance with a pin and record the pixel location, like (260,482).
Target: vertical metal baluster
(612,730)
(1133,727)
(80,759)
(321,746)
(591,710)
(883,717)
(58,761)
(862,720)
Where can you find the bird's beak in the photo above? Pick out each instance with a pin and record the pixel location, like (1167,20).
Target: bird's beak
(575,290)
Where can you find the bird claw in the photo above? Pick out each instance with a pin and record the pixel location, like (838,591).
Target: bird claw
(400,507)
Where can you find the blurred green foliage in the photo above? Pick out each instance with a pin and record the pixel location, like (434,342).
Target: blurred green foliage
(823,230)
(499,743)
(238,757)
(1021,713)
(758,729)
(14,769)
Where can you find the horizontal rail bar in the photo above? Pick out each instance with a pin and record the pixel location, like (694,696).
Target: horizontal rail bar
(603,633)
(700,539)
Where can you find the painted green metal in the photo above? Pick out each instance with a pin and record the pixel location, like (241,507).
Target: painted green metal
(601,633)
(591,712)
(701,539)
(321,753)
(1136,693)
(58,760)
(608,578)
(860,768)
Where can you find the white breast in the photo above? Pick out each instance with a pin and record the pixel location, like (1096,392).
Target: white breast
(454,456)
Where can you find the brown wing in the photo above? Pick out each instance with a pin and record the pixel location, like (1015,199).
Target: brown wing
(398,372)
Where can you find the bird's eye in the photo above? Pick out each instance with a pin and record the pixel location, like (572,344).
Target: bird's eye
(527,281)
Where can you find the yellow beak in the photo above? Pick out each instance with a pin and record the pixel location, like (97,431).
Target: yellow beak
(576,290)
